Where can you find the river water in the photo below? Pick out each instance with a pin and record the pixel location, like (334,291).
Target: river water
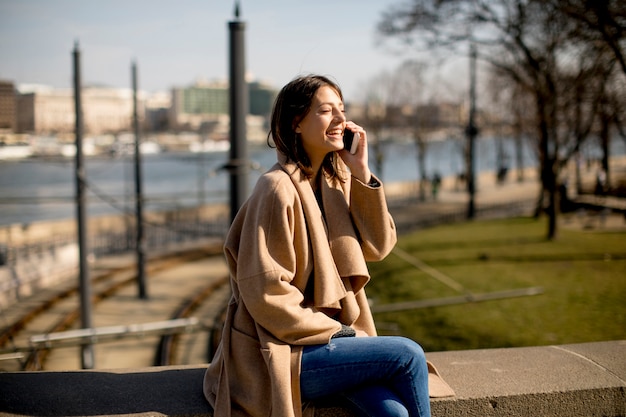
(43,189)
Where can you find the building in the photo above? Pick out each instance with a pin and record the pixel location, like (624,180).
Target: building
(205,107)
(202,108)
(157,112)
(433,116)
(7,106)
(198,105)
(262,98)
(44,110)
(47,111)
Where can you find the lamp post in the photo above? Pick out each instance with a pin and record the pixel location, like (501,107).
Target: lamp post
(87,357)
(140,243)
(238,164)
(471,132)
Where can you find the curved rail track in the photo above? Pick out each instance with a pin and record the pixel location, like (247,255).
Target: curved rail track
(60,311)
(168,345)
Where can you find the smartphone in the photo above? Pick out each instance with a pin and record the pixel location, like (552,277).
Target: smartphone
(351,140)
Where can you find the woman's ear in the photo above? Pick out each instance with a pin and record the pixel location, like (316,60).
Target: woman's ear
(295,124)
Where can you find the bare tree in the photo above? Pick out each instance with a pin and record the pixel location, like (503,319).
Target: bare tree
(398,101)
(598,22)
(599,30)
(584,104)
(409,82)
(529,42)
(617,98)
(377,97)
(505,112)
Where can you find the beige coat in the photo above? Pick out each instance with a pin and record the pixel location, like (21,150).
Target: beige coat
(279,242)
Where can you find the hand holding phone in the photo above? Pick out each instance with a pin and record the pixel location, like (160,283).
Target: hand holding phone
(351,140)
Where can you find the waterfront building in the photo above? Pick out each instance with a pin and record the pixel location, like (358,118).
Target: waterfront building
(199,105)
(203,107)
(45,110)
(262,98)
(157,111)
(7,106)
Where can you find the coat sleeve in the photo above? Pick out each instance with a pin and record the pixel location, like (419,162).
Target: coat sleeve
(372,220)
(269,255)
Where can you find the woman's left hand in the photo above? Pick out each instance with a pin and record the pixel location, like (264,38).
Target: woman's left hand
(358,163)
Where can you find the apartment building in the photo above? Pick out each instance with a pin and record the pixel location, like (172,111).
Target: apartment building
(204,107)
(7,106)
(46,111)
(199,105)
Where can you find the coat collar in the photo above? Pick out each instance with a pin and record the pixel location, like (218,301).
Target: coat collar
(332,237)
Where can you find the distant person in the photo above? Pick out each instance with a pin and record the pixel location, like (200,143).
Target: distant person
(298,328)
(436,183)
(565,203)
(501,174)
(460,181)
(601,182)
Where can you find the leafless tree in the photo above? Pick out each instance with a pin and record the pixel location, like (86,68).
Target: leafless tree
(399,101)
(598,22)
(409,79)
(531,43)
(377,97)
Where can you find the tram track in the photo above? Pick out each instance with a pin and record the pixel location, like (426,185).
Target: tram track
(168,345)
(60,310)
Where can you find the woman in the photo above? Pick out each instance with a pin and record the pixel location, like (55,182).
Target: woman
(298,328)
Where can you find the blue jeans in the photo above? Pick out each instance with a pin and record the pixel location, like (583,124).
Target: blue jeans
(378,376)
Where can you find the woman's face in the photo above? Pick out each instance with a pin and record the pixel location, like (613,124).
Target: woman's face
(322,128)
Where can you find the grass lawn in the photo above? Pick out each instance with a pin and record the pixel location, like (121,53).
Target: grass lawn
(582,273)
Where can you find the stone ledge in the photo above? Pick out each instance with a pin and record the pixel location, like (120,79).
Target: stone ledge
(579,380)
(569,380)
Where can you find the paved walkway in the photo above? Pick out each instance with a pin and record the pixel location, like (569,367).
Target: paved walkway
(453,199)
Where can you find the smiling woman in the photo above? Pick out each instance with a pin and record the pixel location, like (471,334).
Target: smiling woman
(310,134)
(298,328)
(321,129)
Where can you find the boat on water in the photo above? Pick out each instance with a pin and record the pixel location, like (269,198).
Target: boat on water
(11,152)
(50,147)
(145,148)
(209,146)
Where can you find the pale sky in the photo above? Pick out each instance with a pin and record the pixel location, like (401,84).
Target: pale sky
(176,42)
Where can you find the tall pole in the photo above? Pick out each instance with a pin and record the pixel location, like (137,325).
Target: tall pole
(87,357)
(140,244)
(238,164)
(471,132)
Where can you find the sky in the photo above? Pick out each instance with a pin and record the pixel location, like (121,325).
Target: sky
(177,42)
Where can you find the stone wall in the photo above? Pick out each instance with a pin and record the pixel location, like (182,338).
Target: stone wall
(581,380)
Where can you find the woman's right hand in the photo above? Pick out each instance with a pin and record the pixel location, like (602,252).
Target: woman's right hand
(358,163)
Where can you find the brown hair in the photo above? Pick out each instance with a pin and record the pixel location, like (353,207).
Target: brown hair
(292,104)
